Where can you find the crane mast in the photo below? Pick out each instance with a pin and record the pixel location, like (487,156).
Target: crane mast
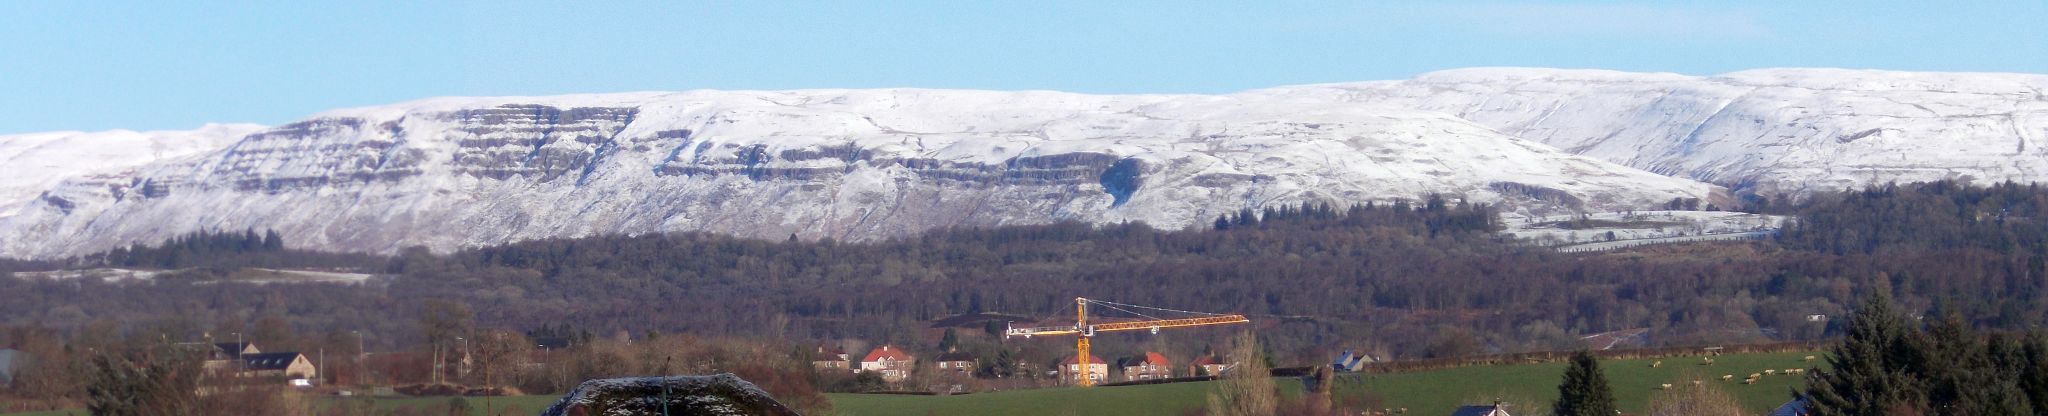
(1082,331)
(1081,342)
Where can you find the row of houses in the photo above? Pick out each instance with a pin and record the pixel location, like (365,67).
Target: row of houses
(894,364)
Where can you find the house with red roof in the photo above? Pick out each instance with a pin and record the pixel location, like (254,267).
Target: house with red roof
(1210,365)
(892,363)
(1070,371)
(1150,366)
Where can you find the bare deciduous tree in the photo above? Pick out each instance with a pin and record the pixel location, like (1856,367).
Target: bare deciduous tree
(1247,388)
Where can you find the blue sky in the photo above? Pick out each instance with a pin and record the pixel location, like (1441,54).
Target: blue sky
(176,65)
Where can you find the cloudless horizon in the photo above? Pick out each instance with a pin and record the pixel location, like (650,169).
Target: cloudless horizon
(176,65)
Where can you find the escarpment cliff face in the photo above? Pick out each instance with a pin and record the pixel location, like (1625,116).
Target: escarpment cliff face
(862,164)
(850,165)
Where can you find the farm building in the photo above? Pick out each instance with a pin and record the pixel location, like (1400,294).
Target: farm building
(230,350)
(1351,361)
(290,365)
(223,356)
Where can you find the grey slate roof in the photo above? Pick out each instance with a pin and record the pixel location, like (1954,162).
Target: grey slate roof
(269,360)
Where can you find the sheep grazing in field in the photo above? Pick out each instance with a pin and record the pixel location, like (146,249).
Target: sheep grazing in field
(1665,386)
(1706,360)
(1770,371)
(1755,375)
(1655,364)
(1749,381)
(1809,358)
(1695,382)
(1726,377)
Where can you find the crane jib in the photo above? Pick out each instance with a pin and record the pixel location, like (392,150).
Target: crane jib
(1085,330)
(1125,326)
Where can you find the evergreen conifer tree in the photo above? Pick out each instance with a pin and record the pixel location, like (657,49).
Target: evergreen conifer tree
(2029,366)
(1873,370)
(272,241)
(1584,391)
(1964,374)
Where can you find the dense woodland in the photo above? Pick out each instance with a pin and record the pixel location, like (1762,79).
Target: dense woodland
(1432,279)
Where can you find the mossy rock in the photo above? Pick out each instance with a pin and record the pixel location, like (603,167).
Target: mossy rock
(714,395)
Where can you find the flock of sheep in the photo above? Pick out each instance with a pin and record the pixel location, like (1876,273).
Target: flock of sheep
(1752,379)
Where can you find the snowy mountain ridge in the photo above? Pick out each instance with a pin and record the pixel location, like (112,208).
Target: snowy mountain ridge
(1787,131)
(457,172)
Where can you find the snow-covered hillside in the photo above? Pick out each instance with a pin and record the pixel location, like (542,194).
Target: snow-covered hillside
(860,164)
(1771,131)
(35,162)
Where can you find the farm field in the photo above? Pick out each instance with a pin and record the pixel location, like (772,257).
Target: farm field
(505,405)
(1431,392)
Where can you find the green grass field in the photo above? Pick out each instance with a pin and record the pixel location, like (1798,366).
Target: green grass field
(520,405)
(1432,392)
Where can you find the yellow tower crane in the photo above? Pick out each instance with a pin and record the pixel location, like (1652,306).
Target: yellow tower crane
(1083,330)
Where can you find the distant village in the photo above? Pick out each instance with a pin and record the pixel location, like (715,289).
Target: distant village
(893,364)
